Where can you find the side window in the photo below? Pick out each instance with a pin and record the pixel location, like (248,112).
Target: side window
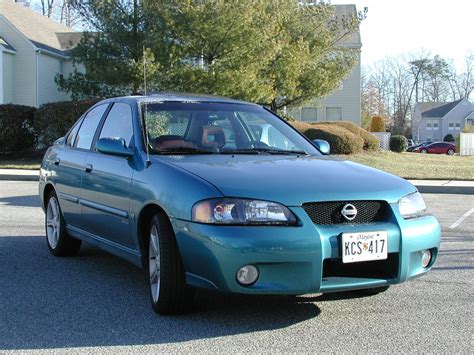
(89,126)
(72,136)
(119,123)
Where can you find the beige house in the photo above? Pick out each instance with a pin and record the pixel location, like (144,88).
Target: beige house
(33,50)
(343,104)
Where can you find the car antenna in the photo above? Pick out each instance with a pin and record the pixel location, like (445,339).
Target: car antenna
(147,140)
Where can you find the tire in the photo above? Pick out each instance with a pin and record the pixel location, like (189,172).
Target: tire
(450,152)
(373,291)
(424,151)
(167,284)
(59,242)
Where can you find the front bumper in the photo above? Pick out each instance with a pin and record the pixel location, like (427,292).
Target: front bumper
(301,259)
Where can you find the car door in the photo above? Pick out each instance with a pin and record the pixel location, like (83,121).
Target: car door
(439,148)
(69,163)
(106,181)
(431,148)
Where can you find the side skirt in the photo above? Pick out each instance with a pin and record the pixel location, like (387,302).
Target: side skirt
(121,251)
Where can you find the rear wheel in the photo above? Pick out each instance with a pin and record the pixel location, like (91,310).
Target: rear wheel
(373,291)
(450,152)
(168,290)
(59,242)
(424,151)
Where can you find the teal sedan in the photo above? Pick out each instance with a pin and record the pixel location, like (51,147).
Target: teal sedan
(209,192)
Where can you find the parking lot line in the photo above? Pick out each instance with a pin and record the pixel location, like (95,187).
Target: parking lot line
(461,219)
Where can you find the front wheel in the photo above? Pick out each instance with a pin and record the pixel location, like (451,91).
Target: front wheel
(450,151)
(59,242)
(168,290)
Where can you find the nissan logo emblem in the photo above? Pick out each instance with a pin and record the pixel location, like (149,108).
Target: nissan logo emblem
(349,212)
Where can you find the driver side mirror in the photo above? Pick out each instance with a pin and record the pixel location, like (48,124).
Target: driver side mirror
(322,145)
(114,146)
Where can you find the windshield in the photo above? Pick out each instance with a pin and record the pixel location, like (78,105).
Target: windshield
(215,128)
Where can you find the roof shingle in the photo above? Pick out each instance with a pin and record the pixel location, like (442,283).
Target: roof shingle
(34,26)
(436,109)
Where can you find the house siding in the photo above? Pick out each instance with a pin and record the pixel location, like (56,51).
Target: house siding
(7,68)
(431,134)
(23,67)
(48,68)
(457,115)
(347,98)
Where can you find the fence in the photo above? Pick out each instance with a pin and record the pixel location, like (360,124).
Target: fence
(466,144)
(384,138)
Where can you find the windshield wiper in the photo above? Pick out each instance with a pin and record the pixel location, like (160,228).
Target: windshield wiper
(283,151)
(183,150)
(239,151)
(264,151)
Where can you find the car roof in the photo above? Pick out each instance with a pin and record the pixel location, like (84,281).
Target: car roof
(176,97)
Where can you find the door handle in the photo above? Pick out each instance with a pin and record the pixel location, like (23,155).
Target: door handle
(88,168)
(57,161)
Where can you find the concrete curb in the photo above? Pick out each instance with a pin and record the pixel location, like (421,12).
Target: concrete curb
(424,186)
(19,175)
(432,189)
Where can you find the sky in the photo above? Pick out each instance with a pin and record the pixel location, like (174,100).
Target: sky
(397,27)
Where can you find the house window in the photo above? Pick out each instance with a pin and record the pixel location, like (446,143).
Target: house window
(451,126)
(309,114)
(458,125)
(428,126)
(333,113)
(435,126)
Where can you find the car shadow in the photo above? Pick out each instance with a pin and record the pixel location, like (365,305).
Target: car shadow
(96,299)
(21,201)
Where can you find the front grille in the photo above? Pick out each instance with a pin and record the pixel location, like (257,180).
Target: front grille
(328,213)
(377,269)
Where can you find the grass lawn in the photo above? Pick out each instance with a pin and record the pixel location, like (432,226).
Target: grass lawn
(26,164)
(30,161)
(418,166)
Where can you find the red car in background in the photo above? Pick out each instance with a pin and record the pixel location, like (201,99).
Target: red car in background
(437,148)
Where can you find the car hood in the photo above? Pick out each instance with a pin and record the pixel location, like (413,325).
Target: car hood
(293,180)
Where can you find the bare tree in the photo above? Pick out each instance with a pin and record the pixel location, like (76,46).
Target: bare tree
(462,84)
(47,7)
(399,83)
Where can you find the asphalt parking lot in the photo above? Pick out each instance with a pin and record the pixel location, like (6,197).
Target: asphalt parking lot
(98,303)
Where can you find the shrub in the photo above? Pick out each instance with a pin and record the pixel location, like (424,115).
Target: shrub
(340,139)
(398,144)
(377,124)
(16,129)
(53,120)
(371,142)
(448,138)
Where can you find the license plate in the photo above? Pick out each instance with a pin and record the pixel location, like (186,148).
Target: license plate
(364,246)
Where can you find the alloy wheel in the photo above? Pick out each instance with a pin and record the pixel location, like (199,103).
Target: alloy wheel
(154,262)
(53,222)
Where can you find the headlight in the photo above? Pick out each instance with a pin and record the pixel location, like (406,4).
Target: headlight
(242,211)
(412,206)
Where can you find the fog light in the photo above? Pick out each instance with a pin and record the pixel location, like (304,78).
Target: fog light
(425,258)
(247,275)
